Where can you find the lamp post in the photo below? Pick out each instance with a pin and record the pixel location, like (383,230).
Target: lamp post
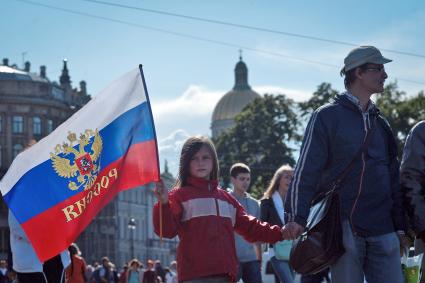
(132,226)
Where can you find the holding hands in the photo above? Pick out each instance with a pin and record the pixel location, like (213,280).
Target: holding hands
(161,192)
(292,230)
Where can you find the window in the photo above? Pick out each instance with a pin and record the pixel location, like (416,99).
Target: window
(17,148)
(18,124)
(36,126)
(49,126)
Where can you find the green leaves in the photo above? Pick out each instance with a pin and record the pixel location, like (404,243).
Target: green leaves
(321,96)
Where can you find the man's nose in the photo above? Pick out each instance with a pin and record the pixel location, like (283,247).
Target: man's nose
(385,75)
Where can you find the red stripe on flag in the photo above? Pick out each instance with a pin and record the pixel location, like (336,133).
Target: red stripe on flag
(55,229)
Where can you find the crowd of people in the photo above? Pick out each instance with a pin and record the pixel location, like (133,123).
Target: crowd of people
(221,231)
(77,271)
(132,272)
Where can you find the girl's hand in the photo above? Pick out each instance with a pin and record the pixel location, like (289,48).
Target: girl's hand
(161,192)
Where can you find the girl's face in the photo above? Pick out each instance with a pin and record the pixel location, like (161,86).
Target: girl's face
(284,181)
(201,164)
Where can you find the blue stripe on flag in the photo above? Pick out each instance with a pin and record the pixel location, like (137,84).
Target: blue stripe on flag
(41,188)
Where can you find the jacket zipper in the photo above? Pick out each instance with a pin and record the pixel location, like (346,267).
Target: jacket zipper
(361,175)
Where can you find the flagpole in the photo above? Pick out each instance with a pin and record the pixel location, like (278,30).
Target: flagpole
(158,177)
(153,124)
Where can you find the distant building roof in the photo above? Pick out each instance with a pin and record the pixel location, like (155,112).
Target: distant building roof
(9,73)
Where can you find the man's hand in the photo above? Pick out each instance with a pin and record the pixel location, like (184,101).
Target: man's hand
(161,192)
(292,230)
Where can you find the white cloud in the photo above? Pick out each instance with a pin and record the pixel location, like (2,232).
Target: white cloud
(190,111)
(170,148)
(195,101)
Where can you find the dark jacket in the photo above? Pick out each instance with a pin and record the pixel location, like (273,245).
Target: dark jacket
(370,194)
(413,176)
(268,212)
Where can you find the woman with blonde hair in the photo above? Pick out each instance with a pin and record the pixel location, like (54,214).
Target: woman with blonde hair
(272,211)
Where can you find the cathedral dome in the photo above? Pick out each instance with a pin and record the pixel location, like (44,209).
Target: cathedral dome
(232,104)
(233,101)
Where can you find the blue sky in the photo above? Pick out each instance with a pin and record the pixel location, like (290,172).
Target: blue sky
(186,77)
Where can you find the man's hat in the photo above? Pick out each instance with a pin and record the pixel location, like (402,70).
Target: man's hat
(362,55)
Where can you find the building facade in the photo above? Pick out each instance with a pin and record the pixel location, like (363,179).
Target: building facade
(233,102)
(31,107)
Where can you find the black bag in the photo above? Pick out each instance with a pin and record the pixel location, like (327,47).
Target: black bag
(321,243)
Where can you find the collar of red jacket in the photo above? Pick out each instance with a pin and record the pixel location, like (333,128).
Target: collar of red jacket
(202,183)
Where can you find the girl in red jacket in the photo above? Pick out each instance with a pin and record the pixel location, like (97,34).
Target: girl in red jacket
(205,217)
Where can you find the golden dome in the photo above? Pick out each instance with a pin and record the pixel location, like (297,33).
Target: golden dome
(232,104)
(233,101)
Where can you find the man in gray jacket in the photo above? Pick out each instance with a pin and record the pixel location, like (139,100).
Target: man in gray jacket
(412,174)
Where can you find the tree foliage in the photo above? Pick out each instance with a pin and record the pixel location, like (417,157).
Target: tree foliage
(260,139)
(401,111)
(321,96)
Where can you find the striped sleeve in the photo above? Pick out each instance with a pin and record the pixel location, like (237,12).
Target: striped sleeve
(312,160)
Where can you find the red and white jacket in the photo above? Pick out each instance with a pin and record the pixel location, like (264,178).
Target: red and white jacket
(205,218)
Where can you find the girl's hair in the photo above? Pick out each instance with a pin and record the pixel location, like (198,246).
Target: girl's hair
(274,183)
(190,148)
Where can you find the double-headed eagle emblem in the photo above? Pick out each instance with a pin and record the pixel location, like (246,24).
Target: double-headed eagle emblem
(80,166)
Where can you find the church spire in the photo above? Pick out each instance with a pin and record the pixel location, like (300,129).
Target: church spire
(64,79)
(241,75)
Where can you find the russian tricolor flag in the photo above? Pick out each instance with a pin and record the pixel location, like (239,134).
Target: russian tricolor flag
(56,187)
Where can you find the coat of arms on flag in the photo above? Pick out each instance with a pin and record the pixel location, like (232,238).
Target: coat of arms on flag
(78,163)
